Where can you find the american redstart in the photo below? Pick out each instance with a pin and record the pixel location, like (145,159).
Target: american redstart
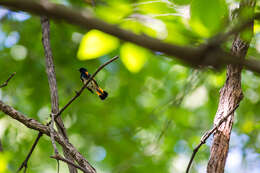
(92,85)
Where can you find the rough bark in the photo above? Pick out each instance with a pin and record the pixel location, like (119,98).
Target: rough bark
(53,84)
(230,96)
(33,124)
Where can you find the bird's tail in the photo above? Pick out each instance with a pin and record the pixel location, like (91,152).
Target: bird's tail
(102,94)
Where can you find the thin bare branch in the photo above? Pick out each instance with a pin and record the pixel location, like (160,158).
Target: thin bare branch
(51,76)
(53,88)
(220,38)
(59,157)
(65,107)
(78,93)
(24,164)
(52,131)
(33,124)
(207,135)
(6,82)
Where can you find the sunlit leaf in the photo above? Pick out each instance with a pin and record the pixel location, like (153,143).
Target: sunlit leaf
(217,80)
(181,2)
(96,43)
(133,57)
(154,7)
(248,126)
(256,27)
(175,33)
(113,11)
(208,17)
(138,27)
(4,159)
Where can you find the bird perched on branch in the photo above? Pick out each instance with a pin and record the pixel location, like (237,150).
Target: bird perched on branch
(92,85)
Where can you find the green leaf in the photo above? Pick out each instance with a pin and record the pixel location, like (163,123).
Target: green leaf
(96,43)
(133,57)
(181,2)
(114,11)
(207,18)
(154,7)
(4,159)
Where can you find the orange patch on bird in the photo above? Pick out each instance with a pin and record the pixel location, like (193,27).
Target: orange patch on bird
(101,90)
(98,93)
(86,73)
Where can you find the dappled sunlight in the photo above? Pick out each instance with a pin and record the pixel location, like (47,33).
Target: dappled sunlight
(197,98)
(133,57)
(95,44)
(177,163)
(163,87)
(18,52)
(4,159)
(97,153)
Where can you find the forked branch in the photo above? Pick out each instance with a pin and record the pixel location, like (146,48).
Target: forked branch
(207,135)
(78,93)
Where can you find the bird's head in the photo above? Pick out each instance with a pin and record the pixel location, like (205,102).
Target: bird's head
(83,70)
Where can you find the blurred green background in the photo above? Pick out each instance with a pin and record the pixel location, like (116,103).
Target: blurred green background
(157,109)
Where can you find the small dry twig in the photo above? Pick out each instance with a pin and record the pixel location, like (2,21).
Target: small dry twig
(207,135)
(52,136)
(59,157)
(24,164)
(6,82)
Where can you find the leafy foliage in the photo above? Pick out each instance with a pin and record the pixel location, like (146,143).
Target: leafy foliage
(153,117)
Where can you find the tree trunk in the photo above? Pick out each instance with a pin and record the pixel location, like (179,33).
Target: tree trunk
(230,95)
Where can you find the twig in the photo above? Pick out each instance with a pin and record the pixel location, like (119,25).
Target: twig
(6,82)
(66,106)
(93,3)
(34,124)
(52,131)
(50,70)
(24,164)
(207,135)
(51,75)
(220,38)
(84,86)
(53,90)
(59,157)
(25,168)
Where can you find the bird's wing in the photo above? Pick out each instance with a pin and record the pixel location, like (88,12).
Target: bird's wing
(95,82)
(90,90)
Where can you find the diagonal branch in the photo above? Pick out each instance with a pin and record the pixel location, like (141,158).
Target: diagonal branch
(204,55)
(33,124)
(59,157)
(206,136)
(78,93)
(24,164)
(6,82)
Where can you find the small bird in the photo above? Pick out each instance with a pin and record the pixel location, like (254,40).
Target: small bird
(92,85)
